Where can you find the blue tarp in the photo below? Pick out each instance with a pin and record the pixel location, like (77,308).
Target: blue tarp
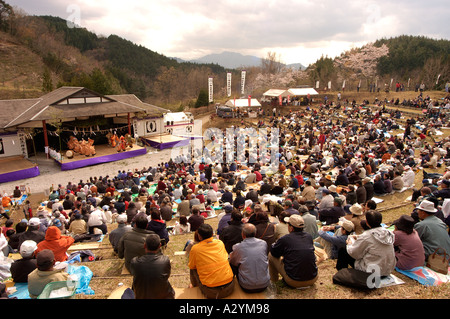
(83,273)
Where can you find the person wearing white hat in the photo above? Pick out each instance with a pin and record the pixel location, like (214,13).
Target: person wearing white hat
(20,268)
(432,230)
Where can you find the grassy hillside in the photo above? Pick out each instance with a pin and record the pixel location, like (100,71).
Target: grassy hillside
(21,70)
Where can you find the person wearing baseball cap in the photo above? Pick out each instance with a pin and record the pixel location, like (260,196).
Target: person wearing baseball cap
(337,240)
(44,273)
(298,266)
(431,229)
(21,268)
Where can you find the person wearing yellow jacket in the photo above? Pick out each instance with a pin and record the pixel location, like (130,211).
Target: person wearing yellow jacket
(209,266)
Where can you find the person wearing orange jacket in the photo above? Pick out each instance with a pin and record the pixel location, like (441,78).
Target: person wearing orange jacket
(56,243)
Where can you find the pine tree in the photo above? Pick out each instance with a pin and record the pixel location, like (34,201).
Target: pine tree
(47,83)
(203,98)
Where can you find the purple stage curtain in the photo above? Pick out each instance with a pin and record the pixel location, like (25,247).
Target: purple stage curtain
(17,175)
(101,159)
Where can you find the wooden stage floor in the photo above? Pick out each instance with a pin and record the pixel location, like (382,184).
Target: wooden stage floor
(14,163)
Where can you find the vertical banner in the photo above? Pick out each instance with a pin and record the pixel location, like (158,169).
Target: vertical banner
(409,81)
(249,101)
(23,144)
(359,84)
(280,100)
(438,79)
(343,84)
(329,85)
(392,80)
(229,84)
(243,81)
(211,92)
(317,84)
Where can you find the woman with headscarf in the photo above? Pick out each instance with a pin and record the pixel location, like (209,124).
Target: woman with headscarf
(409,251)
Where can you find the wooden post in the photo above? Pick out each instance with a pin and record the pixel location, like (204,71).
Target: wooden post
(129,124)
(44,126)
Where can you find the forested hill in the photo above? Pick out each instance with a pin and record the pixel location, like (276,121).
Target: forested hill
(406,59)
(109,65)
(412,55)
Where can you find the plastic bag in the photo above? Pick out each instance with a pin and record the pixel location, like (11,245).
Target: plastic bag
(5,266)
(84,275)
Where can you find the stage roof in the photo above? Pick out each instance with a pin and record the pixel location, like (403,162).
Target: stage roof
(69,103)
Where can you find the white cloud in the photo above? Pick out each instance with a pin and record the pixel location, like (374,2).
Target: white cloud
(300,30)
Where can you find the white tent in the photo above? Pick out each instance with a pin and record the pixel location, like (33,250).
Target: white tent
(243,103)
(302,91)
(177,117)
(276,93)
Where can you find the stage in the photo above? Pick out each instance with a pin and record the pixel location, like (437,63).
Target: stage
(164,141)
(104,154)
(14,168)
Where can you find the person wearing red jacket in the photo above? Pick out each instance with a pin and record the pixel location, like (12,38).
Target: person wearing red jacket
(322,138)
(56,243)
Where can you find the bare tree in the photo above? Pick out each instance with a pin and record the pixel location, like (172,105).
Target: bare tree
(431,70)
(271,63)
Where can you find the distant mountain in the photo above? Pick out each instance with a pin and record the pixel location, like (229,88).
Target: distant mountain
(233,60)
(296,66)
(230,60)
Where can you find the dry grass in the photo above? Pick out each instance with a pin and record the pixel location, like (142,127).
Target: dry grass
(107,271)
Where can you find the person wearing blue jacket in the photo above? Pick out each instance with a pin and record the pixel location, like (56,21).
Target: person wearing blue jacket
(336,236)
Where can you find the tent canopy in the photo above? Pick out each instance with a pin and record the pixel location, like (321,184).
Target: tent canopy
(177,117)
(276,93)
(302,91)
(243,103)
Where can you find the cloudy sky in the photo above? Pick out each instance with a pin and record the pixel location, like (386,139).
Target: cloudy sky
(299,31)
